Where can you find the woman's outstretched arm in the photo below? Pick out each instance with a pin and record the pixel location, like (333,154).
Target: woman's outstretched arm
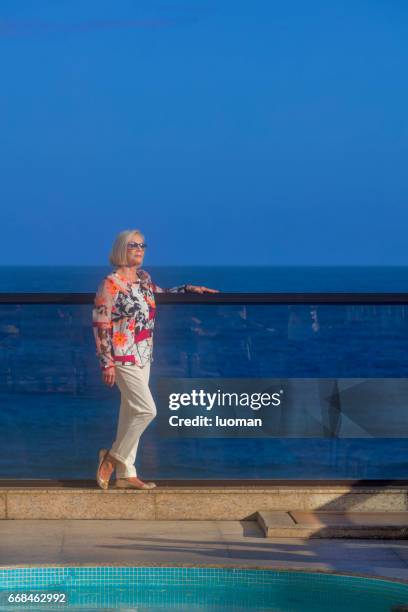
(146,278)
(178,289)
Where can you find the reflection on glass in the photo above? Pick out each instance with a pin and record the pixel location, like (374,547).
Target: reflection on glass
(56,412)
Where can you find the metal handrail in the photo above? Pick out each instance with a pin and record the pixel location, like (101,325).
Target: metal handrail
(217,298)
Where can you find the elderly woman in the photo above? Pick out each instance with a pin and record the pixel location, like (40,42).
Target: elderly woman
(123,321)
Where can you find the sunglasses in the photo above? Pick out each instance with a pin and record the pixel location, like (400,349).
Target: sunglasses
(134,245)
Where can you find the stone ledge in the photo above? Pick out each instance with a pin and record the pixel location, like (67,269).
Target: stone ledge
(180,503)
(333,524)
(383,489)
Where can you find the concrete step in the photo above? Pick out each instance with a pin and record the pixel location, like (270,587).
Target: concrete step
(229,502)
(333,524)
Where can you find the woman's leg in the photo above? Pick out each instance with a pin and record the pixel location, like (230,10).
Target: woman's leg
(137,410)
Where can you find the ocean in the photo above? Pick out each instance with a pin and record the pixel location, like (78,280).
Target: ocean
(225,278)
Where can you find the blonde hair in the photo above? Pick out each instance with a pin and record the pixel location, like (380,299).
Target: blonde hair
(118,254)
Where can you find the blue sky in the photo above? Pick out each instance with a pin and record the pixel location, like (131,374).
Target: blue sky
(229,132)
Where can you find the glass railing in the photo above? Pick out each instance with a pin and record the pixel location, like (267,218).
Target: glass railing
(338,362)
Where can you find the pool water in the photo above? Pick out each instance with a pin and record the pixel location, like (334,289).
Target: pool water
(155,589)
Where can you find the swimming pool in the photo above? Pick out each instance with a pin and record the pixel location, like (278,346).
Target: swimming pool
(217,589)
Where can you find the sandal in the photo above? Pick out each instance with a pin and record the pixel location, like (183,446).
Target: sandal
(125,483)
(102,482)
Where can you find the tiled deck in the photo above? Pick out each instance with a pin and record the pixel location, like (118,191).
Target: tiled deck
(225,543)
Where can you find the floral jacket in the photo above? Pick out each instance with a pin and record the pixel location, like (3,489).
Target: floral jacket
(123,319)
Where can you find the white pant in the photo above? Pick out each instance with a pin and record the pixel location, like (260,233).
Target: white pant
(137,410)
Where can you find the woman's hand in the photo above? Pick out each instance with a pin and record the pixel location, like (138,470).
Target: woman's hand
(200,289)
(108,375)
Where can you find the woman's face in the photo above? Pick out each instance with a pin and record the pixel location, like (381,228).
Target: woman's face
(135,254)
